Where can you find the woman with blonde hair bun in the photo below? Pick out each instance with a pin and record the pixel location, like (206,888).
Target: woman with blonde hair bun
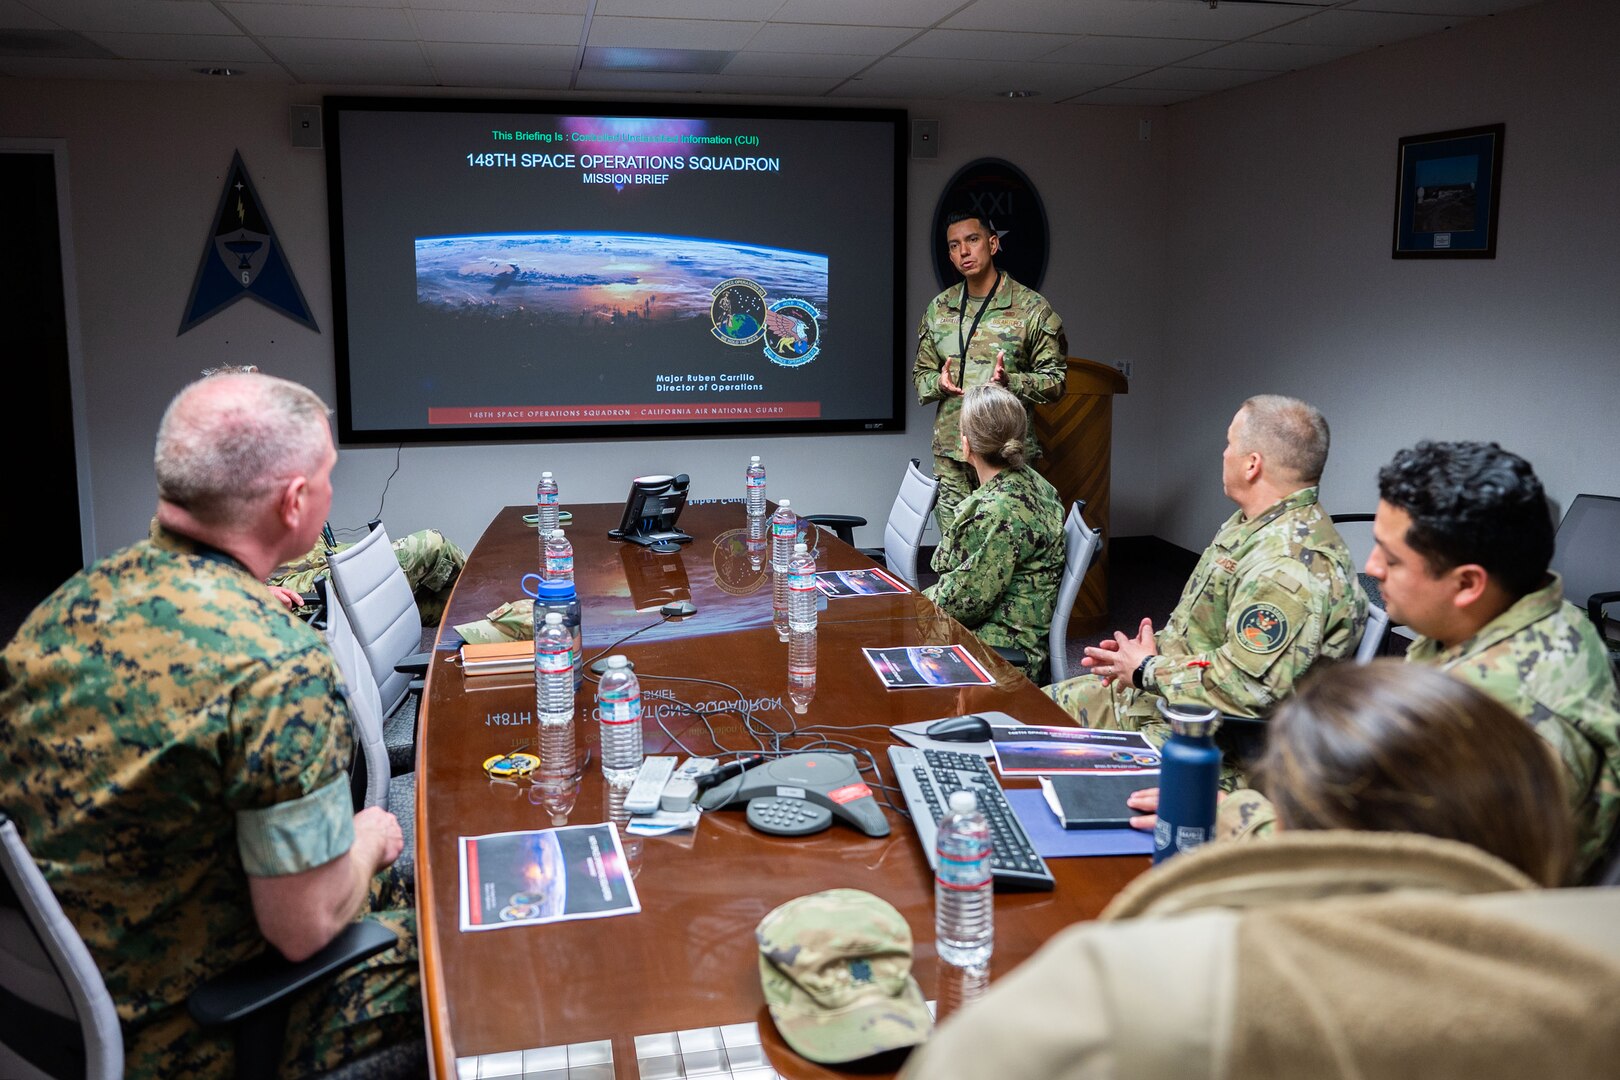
(1002,561)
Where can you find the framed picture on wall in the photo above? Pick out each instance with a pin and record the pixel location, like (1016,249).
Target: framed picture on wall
(1447,190)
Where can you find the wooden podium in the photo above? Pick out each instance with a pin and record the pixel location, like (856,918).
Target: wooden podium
(1077,437)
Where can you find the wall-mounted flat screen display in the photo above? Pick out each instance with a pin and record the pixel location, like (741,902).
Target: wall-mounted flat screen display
(540,270)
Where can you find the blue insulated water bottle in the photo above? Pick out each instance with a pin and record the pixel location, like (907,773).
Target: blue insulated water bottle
(1189,776)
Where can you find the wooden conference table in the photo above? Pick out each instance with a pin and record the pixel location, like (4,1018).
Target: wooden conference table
(689,959)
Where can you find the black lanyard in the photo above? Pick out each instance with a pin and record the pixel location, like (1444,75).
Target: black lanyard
(961,317)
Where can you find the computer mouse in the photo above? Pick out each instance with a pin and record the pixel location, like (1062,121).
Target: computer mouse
(960,729)
(678,609)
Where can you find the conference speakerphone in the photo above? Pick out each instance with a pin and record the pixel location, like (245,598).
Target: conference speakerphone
(830,781)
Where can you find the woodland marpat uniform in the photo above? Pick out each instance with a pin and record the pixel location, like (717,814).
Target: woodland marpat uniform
(169,729)
(430,561)
(1270,597)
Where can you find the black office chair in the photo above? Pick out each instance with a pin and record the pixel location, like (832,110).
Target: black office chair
(1356,532)
(57,1020)
(1587,557)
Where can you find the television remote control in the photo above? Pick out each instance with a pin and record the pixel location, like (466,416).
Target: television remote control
(649,786)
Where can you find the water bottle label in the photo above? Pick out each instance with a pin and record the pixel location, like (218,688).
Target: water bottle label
(964,869)
(784,530)
(801,582)
(559,566)
(621,712)
(756,482)
(1189,837)
(554,661)
(547,498)
(1161,835)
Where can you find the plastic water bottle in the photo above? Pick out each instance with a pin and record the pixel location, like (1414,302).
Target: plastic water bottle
(964,913)
(801,583)
(545,499)
(784,534)
(801,668)
(618,701)
(1189,775)
(554,698)
(755,478)
(559,557)
(755,543)
(559,596)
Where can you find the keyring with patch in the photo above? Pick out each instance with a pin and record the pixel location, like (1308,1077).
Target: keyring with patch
(506,766)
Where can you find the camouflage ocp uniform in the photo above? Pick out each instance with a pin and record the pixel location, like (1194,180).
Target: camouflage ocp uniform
(1272,596)
(1001,565)
(1543,659)
(430,561)
(1019,323)
(170,729)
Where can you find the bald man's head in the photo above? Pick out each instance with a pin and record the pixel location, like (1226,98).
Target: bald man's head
(225,442)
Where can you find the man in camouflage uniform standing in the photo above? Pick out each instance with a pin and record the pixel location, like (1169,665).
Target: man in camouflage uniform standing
(1463,539)
(990,329)
(177,747)
(1274,594)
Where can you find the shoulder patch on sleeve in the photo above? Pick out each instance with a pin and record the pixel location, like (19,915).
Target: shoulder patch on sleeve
(1262,628)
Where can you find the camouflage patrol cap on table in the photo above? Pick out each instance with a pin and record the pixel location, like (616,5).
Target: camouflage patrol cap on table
(836,968)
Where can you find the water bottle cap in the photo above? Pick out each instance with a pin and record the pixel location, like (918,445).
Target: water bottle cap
(558,591)
(553,618)
(963,802)
(617,660)
(799,548)
(544,475)
(556,534)
(754,459)
(784,504)
(1192,721)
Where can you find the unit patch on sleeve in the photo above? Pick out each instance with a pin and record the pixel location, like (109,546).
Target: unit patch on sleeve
(1262,628)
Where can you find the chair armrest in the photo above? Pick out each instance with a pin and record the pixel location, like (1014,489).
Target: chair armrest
(842,524)
(414,664)
(1595,604)
(269,977)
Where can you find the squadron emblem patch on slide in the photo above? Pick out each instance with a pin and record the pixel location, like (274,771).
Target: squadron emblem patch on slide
(1262,628)
(737,309)
(793,336)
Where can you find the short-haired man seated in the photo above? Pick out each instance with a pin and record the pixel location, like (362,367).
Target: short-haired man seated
(177,746)
(1274,594)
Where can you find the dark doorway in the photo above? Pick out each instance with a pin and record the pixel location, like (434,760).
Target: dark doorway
(38,426)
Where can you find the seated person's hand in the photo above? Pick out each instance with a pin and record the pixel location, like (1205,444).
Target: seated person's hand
(378,829)
(287,596)
(1147,802)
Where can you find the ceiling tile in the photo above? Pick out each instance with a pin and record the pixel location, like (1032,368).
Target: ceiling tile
(530,7)
(913,13)
(325,21)
(1358,29)
(1269,56)
(1440,7)
(796,64)
(664,81)
(365,74)
(464,60)
(1132,18)
(984,78)
(670,33)
(732,10)
(302,50)
(150,16)
(1119,95)
(1202,80)
(220,48)
(499,27)
(771,85)
(42,67)
(854,40)
(984,45)
(1129,50)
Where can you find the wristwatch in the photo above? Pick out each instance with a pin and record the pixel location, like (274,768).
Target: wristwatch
(1141,671)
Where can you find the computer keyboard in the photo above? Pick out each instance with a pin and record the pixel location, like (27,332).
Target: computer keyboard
(927,778)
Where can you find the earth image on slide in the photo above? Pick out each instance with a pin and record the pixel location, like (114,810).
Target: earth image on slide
(582,279)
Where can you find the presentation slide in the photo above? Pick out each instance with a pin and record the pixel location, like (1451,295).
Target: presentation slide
(504,272)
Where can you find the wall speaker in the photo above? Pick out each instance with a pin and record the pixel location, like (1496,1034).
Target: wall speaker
(925,138)
(304,126)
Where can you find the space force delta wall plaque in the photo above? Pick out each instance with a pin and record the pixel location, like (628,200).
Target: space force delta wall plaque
(241,257)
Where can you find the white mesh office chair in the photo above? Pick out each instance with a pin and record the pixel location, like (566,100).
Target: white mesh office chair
(56,1018)
(376,596)
(902,535)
